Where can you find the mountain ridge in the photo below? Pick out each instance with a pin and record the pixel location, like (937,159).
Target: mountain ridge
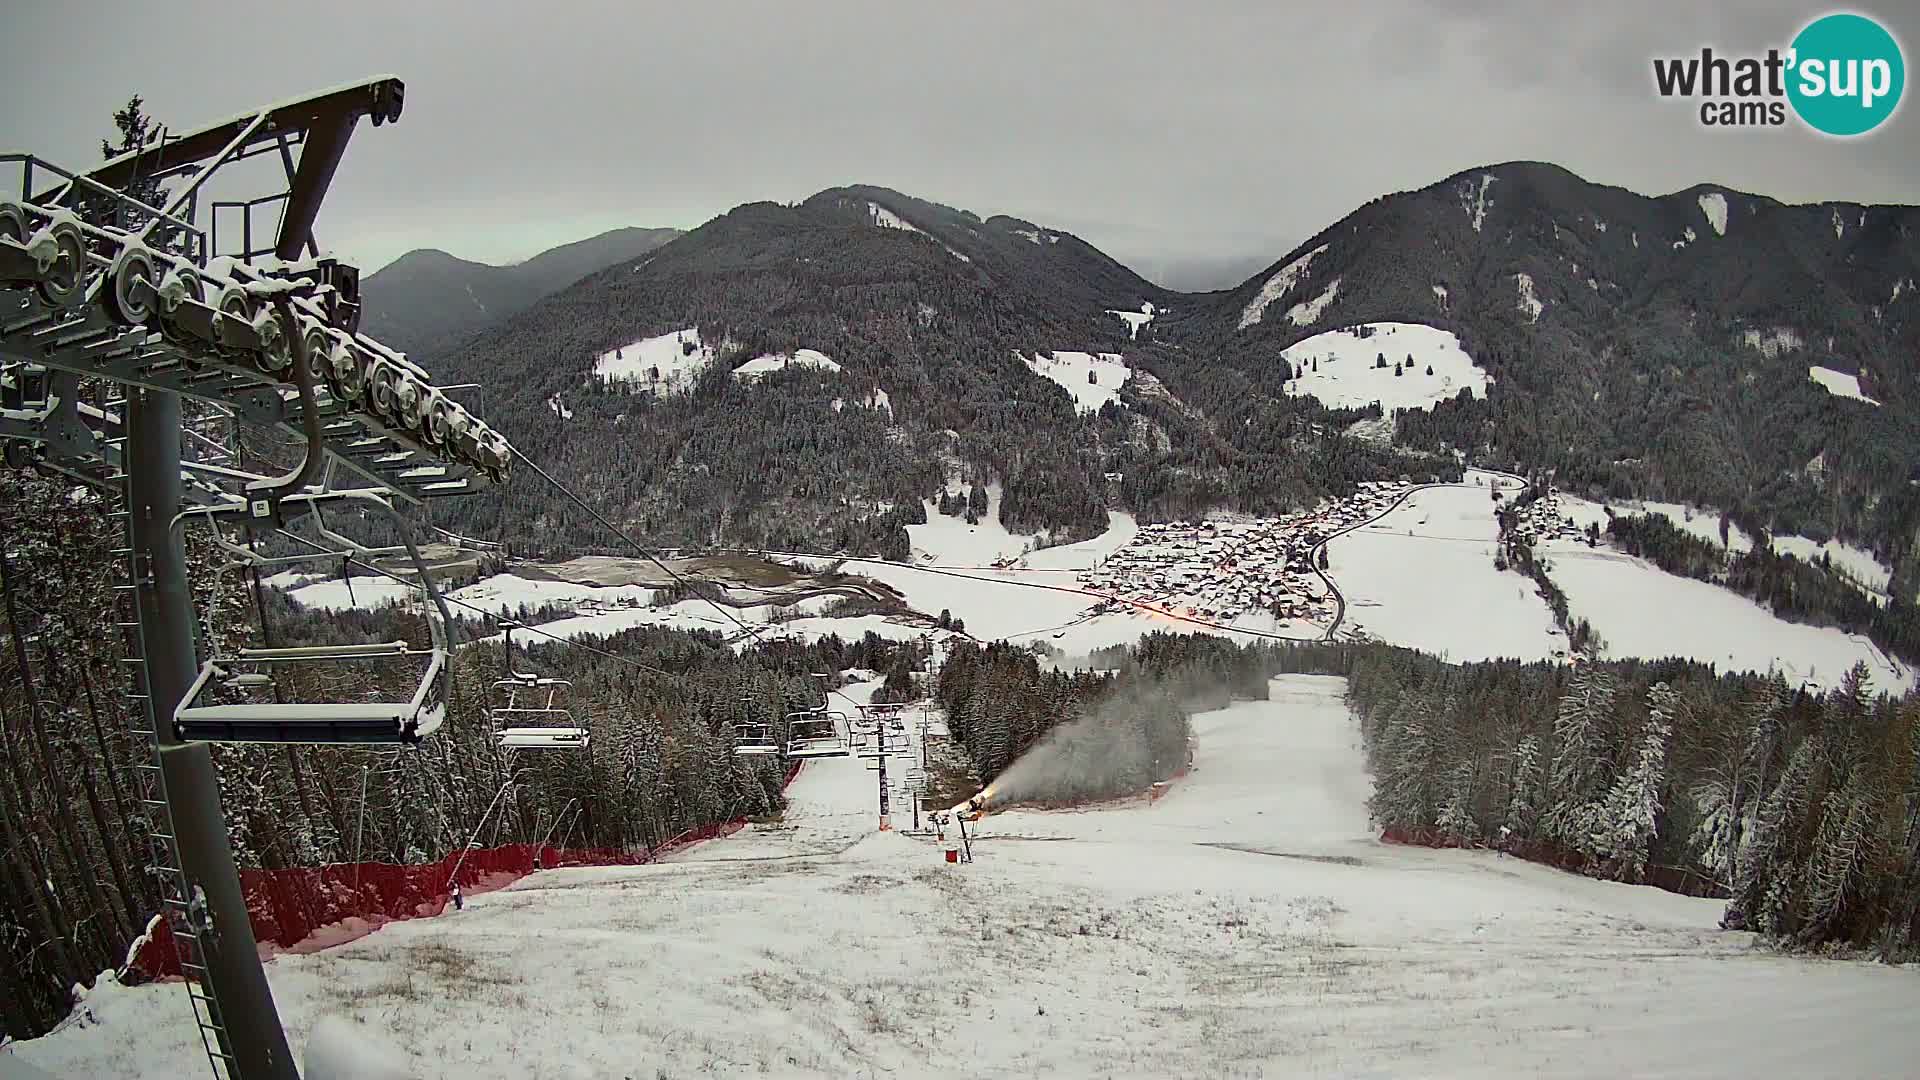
(1636,347)
(429,294)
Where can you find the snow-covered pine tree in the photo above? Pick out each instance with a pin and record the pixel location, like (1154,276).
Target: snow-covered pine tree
(1523,806)
(1579,780)
(1635,803)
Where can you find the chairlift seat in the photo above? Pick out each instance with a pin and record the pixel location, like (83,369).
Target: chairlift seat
(363,722)
(544,738)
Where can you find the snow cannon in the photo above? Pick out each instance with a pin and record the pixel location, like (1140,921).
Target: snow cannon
(972,810)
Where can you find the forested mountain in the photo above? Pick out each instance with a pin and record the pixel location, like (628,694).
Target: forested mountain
(1650,346)
(427,295)
(929,316)
(1656,347)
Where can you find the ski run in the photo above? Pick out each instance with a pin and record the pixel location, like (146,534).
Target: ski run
(1246,924)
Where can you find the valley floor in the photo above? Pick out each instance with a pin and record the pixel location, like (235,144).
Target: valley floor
(1247,924)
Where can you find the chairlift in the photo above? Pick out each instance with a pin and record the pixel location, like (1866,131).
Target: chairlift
(752,736)
(535,716)
(816,732)
(245,670)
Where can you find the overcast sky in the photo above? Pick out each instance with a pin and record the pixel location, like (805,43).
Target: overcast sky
(1161,132)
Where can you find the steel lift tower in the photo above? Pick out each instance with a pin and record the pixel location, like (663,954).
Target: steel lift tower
(127,331)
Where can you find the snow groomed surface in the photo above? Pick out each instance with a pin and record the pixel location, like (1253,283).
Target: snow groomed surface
(1246,924)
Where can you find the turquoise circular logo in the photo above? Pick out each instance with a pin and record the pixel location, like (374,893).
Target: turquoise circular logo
(1846,74)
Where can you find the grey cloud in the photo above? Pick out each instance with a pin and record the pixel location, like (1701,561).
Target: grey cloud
(1163,133)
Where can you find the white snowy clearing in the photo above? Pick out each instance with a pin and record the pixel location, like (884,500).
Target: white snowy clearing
(1348,378)
(1093,379)
(661,364)
(1528,303)
(501,592)
(760,365)
(1308,312)
(878,399)
(1136,319)
(1771,343)
(1857,563)
(1246,924)
(1475,203)
(887,219)
(1640,610)
(1276,287)
(950,541)
(1714,205)
(1423,576)
(1839,384)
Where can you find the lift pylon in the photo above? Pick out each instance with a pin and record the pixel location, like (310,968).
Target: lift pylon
(115,309)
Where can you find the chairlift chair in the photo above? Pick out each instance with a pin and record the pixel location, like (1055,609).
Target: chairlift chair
(544,725)
(815,733)
(244,670)
(753,737)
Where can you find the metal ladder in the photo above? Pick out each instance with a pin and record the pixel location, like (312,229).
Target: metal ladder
(184,913)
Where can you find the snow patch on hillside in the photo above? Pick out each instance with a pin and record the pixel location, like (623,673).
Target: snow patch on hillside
(1773,342)
(1474,202)
(559,408)
(876,400)
(1348,377)
(761,365)
(950,541)
(1528,303)
(1858,564)
(1093,379)
(1839,227)
(1440,295)
(659,364)
(887,219)
(1136,319)
(1714,205)
(1277,286)
(1839,384)
(1599,226)
(1308,312)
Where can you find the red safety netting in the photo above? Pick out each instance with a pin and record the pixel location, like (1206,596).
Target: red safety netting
(305,909)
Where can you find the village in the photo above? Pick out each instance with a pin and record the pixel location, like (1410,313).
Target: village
(1220,569)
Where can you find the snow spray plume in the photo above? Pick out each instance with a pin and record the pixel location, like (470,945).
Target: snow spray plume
(1125,741)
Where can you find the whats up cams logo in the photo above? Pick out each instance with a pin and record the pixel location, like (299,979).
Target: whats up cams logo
(1842,76)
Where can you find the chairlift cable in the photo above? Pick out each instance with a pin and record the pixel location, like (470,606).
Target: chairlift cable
(676,576)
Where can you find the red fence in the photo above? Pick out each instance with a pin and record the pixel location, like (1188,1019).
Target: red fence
(308,908)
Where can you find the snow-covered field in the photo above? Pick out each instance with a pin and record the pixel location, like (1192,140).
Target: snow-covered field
(666,363)
(1839,384)
(1246,925)
(808,358)
(1423,576)
(1092,379)
(1135,319)
(1339,367)
(950,541)
(1856,563)
(1640,610)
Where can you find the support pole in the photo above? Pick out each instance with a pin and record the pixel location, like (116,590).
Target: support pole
(252,1032)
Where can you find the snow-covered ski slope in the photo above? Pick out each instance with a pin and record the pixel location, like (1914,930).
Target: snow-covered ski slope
(1245,925)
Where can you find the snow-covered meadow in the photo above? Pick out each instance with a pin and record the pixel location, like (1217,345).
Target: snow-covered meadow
(1423,576)
(1273,936)
(1341,368)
